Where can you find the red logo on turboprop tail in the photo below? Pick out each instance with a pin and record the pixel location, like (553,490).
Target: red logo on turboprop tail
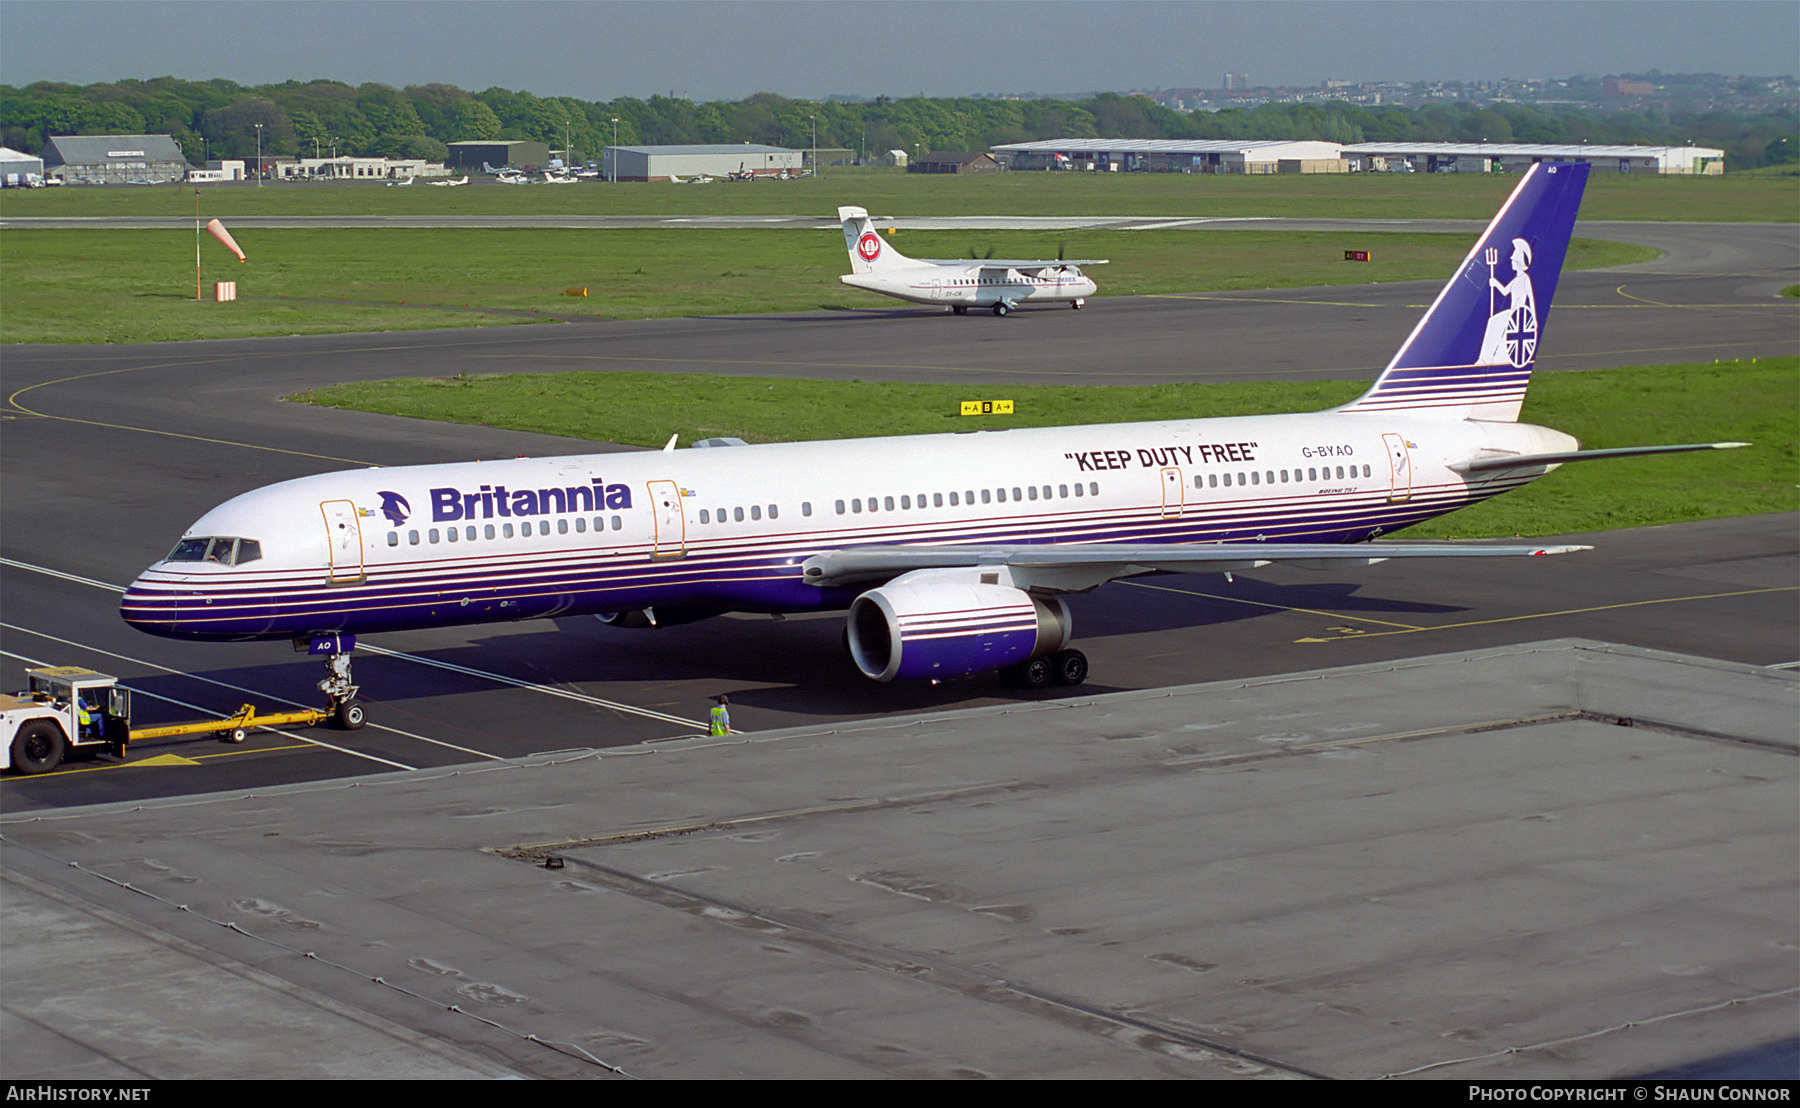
(869,246)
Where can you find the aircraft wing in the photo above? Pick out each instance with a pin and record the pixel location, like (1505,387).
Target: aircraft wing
(1077,568)
(1013,263)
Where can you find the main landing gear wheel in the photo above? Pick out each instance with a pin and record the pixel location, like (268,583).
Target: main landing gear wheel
(1065,667)
(960,309)
(1068,667)
(1036,673)
(1078,303)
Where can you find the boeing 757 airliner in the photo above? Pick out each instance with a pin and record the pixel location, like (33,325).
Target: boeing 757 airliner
(951,553)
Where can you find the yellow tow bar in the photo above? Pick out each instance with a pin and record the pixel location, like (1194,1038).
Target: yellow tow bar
(232,727)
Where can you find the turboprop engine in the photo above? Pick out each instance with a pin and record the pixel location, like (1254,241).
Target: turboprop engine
(941,624)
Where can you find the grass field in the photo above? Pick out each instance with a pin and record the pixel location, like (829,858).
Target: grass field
(1749,401)
(138,286)
(890,193)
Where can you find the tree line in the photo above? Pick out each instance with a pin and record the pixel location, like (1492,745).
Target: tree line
(220,119)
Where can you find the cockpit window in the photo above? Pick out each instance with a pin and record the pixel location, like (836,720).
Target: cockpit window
(223,551)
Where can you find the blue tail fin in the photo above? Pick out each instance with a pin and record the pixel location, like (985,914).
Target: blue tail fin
(1471,356)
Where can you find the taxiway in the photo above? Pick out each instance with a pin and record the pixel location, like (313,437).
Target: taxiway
(110,452)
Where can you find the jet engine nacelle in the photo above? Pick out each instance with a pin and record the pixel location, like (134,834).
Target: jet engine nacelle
(938,625)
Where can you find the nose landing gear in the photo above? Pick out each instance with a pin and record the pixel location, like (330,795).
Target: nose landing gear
(346,710)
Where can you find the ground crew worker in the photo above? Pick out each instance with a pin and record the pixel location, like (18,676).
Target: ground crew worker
(721,716)
(89,724)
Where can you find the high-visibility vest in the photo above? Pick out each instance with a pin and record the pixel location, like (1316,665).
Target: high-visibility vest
(721,720)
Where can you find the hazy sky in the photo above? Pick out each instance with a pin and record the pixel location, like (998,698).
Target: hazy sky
(727,49)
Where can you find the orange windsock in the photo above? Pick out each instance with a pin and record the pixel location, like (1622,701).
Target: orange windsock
(217,230)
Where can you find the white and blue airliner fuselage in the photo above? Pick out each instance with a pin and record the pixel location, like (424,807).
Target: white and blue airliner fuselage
(951,552)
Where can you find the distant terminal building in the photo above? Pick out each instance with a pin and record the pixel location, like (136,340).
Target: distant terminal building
(659,163)
(498,153)
(1508,157)
(114,159)
(954,161)
(347,168)
(1174,155)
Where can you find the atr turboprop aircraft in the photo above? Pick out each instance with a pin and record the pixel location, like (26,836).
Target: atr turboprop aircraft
(996,284)
(951,553)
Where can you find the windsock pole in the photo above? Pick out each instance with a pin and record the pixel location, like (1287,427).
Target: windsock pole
(197,244)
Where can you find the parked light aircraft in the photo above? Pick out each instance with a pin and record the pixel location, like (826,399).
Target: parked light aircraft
(951,553)
(702,179)
(1000,285)
(449,184)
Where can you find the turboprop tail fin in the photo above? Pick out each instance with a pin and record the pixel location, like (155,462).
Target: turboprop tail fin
(1470,357)
(868,252)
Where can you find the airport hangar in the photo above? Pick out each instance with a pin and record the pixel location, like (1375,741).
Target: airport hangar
(497,153)
(1174,155)
(1487,157)
(114,159)
(1280,156)
(655,163)
(19,169)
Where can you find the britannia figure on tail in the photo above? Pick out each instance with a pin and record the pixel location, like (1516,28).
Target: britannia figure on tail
(1512,328)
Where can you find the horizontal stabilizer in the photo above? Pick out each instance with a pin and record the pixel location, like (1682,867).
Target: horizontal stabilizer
(1517,461)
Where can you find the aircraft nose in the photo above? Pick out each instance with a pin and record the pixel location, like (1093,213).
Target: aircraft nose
(149,608)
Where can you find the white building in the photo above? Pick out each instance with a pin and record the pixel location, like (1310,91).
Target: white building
(1278,156)
(1484,157)
(229,169)
(347,168)
(20,170)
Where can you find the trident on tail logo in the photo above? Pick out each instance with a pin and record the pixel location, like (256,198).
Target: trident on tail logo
(1512,328)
